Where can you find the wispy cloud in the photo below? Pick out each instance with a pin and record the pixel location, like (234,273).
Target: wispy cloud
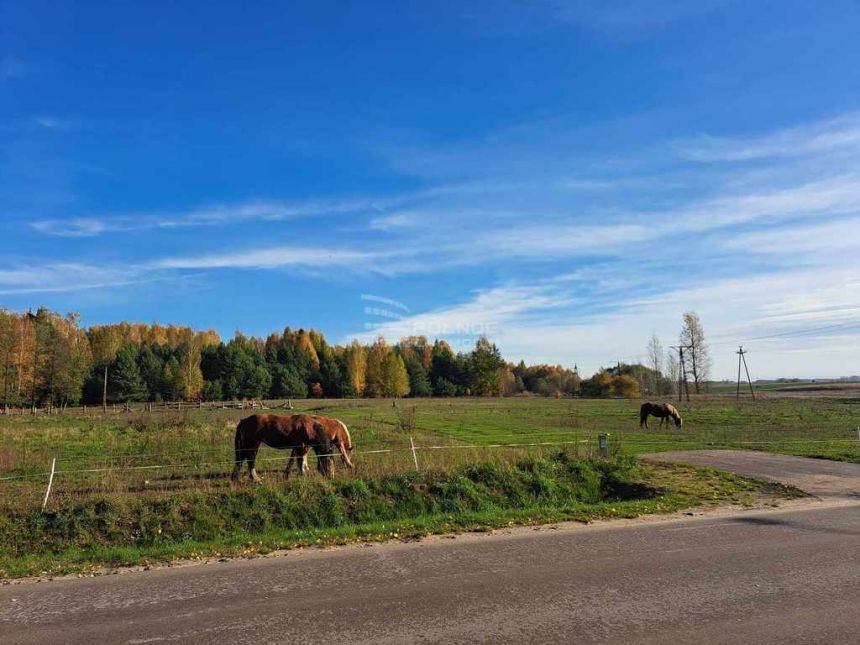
(60,277)
(568,261)
(823,241)
(74,227)
(284,256)
(770,313)
(825,136)
(223,215)
(53,122)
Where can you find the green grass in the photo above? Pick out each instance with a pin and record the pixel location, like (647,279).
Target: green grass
(192,453)
(193,449)
(245,520)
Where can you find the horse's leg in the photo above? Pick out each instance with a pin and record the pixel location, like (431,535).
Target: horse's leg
(237,468)
(238,444)
(294,456)
(302,460)
(252,457)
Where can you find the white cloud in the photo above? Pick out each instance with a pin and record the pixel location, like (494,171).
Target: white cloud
(224,214)
(775,315)
(542,241)
(486,314)
(65,277)
(822,137)
(824,241)
(74,227)
(394,222)
(53,123)
(275,257)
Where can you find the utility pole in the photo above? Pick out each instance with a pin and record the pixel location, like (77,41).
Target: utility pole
(683,385)
(742,359)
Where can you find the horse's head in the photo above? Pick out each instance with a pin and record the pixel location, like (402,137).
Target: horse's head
(325,465)
(678,420)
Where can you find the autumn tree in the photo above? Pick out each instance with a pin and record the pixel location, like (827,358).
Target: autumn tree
(9,342)
(395,377)
(73,360)
(189,378)
(104,345)
(375,374)
(356,367)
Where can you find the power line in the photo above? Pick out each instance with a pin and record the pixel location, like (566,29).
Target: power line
(742,359)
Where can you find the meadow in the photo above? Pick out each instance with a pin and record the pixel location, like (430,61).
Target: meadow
(142,486)
(198,444)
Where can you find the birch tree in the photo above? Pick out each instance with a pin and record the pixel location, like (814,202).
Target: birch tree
(693,337)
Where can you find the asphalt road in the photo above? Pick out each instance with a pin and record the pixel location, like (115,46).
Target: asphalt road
(820,477)
(784,576)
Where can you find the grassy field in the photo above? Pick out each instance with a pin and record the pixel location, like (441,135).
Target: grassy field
(823,427)
(126,470)
(787,388)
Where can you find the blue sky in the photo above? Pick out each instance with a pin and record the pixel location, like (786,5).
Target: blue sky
(566,177)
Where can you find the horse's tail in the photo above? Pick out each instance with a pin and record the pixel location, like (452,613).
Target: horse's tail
(643,413)
(239,442)
(345,446)
(346,432)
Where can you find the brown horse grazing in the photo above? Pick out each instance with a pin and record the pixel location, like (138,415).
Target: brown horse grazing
(296,432)
(662,410)
(338,435)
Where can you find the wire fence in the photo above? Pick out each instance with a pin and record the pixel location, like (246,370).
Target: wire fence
(675,444)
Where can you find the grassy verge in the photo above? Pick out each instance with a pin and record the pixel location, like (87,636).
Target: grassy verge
(246,520)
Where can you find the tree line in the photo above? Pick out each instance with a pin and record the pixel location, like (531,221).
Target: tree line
(50,360)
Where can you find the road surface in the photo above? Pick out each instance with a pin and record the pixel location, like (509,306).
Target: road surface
(784,576)
(820,477)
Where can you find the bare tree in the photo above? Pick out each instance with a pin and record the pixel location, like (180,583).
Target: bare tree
(655,362)
(672,370)
(693,336)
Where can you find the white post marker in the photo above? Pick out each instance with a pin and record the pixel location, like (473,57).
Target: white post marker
(414,454)
(50,481)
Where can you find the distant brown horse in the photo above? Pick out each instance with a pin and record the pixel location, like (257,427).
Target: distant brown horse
(338,435)
(664,411)
(296,432)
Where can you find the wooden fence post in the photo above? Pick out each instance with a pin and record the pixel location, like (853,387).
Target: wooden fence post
(603,446)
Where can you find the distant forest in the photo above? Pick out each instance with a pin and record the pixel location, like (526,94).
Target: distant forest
(50,360)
